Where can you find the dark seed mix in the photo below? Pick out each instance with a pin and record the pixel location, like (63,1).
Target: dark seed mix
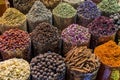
(49,66)
(45,38)
(14,42)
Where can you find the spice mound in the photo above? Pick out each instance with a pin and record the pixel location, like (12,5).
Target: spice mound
(12,18)
(23,5)
(37,14)
(51,3)
(88,10)
(14,69)
(45,38)
(76,35)
(73,1)
(102,26)
(64,10)
(49,66)
(109,6)
(14,43)
(109,54)
(82,60)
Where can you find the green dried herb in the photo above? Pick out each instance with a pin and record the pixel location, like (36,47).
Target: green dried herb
(115,75)
(64,10)
(110,6)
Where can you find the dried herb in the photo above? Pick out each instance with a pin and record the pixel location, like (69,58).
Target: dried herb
(115,75)
(12,18)
(37,14)
(109,6)
(51,3)
(64,10)
(75,35)
(45,38)
(14,69)
(23,5)
(49,66)
(88,10)
(15,43)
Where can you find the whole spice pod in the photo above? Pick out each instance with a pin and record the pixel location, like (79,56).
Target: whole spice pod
(75,35)
(74,3)
(12,18)
(108,53)
(23,5)
(81,64)
(116,18)
(109,7)
(4,4)
(37,14)
(51,4)
(64,15)
(48,66)
(45,37)
(97,1)
(87,12)
(14,69)
(15,43)
(102,30)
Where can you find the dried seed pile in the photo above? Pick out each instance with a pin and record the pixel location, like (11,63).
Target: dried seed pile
(37,14)
(49,66)
(109,6)
(64,10)
(82,60)
(14,69)
(12,18)
(23,5)
(102,26)
(45,38)
(15,43)
(50,3)
(88,10)
(76,35)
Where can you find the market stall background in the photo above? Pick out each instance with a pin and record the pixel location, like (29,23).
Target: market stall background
(59,40)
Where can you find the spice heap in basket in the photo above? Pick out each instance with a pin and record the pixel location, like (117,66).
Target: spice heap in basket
(87,12)
(82,64)
(37,14)
(49,66)
(12,18)
(109,55)
(15,43)
(75,35)
(14,69)
(45,37)
(102,30)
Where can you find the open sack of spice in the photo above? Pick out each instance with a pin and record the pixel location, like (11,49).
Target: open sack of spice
(12,18)
(23,5)
(15,43)
(45,37)
(109,55)
(87,12)
(64,15)
(74,3)
(75,35)
(82,64)
(48,66)
(4,4)
(51,4)
(102,30)
(14,69)
(37,14)
(109,7)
